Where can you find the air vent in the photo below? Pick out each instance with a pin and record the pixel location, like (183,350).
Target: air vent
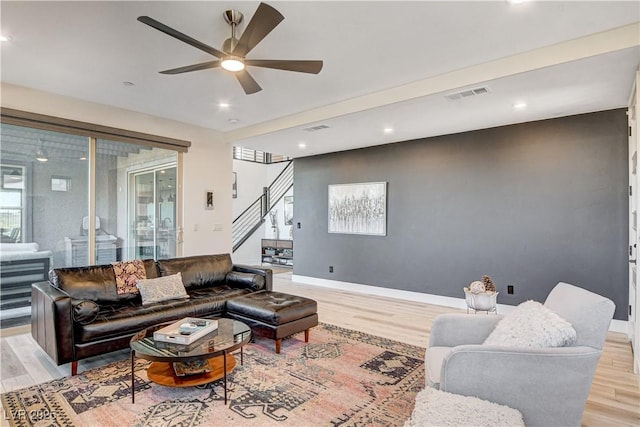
(467,93)
(316,128)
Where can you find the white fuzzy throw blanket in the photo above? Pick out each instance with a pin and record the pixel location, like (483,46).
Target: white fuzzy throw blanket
(437,408)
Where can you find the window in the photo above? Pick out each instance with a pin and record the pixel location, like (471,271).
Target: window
(249,155)
(65,186)
(64,190)
(12,203)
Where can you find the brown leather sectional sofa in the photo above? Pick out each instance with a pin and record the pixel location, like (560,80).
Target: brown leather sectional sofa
(78,313)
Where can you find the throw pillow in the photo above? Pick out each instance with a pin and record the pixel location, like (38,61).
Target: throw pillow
(163,288)
(532,325)
(85,312)
(127,274)
(435,408)
(245,280)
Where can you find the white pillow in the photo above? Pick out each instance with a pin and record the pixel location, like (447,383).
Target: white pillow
(162,289)
(435,408)
(532,325)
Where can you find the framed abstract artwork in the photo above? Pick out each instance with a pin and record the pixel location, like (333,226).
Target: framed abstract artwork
(358,208)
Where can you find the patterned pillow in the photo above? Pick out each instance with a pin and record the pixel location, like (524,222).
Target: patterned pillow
(162,289)
(532,325)
(127,274)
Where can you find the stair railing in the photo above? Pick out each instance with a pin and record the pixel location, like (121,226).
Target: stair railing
(253,216)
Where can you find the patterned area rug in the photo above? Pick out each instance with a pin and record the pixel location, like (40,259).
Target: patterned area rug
(340,378)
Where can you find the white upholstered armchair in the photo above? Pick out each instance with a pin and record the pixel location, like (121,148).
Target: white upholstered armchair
(549,386)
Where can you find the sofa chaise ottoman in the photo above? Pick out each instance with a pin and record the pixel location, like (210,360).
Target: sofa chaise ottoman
(79,312)
(275,315)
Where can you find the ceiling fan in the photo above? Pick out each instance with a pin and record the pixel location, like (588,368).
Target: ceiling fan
(232,57)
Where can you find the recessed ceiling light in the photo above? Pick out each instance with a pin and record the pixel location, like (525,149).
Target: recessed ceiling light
(519,105)
(388,130)
(233,121)
(224,105)
(302,145)
(4,38)
(516,1)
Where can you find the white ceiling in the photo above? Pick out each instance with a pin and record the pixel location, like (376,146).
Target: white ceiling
(386,64)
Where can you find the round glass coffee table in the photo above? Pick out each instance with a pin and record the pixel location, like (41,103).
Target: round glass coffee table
(214,349)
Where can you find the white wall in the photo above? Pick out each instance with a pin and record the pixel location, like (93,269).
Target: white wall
(252,177)
(284,231)
(207,166)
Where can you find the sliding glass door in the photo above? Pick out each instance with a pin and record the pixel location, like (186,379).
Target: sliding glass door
(51,184)
(45,195)
(69,198)
(153,212)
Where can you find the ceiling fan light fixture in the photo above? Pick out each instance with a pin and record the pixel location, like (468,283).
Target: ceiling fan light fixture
(234,51)
(232,63)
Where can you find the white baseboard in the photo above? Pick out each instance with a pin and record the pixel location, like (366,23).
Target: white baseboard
(620,326)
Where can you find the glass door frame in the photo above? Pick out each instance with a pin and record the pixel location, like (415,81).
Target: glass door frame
(132,174)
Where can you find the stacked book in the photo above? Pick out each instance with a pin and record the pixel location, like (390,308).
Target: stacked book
(185,331)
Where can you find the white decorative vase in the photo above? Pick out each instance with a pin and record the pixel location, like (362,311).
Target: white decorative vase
(484,301)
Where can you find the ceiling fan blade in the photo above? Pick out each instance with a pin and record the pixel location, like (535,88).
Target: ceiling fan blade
(311,67)
(194,67)
(248,83)
(180,36)
(263,21)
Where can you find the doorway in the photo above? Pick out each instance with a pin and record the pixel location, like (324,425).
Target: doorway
(152,216)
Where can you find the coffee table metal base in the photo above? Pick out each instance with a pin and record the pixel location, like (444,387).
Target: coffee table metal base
(163,373)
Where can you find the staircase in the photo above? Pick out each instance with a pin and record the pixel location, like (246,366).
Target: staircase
(252,218)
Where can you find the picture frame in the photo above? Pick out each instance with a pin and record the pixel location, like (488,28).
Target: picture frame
(234,186)
(208,202)
(358,208)
(288,210)
(60,183)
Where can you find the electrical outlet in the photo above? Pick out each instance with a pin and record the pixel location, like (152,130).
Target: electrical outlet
(510,289)
(331,269)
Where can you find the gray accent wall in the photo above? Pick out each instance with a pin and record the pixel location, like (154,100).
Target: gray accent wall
(529,204)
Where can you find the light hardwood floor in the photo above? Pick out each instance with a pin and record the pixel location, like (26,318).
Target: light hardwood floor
(614,399)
